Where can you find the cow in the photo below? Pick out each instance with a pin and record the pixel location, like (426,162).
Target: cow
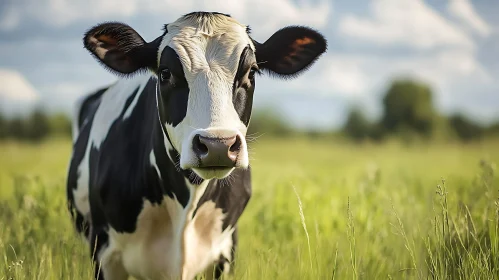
(159,173)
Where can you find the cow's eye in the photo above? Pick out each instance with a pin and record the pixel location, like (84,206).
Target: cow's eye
(252,72)
(165,74)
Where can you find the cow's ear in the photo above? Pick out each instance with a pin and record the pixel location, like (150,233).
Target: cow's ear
(290,51)
(120,48)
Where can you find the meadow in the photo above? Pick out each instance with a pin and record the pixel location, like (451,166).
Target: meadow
(321,209)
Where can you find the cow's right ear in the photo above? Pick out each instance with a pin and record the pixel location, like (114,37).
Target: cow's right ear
(120,48)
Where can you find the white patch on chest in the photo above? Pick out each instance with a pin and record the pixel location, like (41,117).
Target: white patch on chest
(154,250)
(204,240)
(167,243)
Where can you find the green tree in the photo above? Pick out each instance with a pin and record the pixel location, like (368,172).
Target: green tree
(3,127)
(269,122)
(493,129)
(408,107)
(16,128)
(37,126)
(60,125)
(464,128)
(357,126)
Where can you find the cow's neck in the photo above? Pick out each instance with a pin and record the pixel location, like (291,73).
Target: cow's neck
(181,209)
(186,186)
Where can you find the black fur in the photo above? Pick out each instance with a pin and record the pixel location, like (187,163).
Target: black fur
(244,86)
(89,105)
(174,93)
(279,55)
(127,52)
(129,143)
(85,119)
(230,194)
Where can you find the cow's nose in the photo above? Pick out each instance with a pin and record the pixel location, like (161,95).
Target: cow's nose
(216,152)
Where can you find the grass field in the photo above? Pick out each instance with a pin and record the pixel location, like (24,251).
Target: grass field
(320,210)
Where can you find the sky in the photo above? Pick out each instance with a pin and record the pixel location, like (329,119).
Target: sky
(453,45)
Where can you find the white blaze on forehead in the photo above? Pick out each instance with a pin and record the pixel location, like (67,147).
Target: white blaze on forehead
(209,49)
(205,42)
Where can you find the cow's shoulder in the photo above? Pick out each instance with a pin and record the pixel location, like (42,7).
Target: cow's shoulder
(121,176)
(120,107)
(82,125)
(89,106)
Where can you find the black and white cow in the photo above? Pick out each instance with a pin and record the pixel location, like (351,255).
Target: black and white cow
(160,173)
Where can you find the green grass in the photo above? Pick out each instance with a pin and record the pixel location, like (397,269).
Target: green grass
(320,210)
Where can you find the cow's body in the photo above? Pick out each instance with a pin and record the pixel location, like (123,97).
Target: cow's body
(145,214)
(160,174)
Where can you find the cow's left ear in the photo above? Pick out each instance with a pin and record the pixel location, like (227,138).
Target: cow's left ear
(120,48)
(290,50)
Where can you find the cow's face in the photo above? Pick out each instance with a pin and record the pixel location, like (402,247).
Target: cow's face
(205,64)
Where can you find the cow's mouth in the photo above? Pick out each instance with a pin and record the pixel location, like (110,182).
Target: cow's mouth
(213,172)
(214,168)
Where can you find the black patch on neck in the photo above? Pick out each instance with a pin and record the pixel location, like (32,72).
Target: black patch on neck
(230,194)
(243,87)
(172,179)
(173,93)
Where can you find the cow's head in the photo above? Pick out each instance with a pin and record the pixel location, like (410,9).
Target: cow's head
(205,64)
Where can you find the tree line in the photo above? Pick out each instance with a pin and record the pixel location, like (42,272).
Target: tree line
(408,113)
(34,127)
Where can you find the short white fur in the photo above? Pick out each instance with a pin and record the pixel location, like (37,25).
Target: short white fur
(209,50)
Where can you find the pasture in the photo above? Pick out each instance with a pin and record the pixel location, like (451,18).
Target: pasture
(321,209)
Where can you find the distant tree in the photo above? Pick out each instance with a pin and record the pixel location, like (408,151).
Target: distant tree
(37,126)
(269,122)
(377,132)
(16,128)
(493,129)
(60,125)
(464,128)
(408,106)
(357,126)
(3,127)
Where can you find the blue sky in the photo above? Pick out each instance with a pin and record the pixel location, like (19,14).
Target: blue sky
(452,45)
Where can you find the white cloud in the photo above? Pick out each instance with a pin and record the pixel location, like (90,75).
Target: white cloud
(266,16)
(464,11)
(15,87)
(63,95)
(17,95)
(404,22)
(445,68)
(262,13)
(67,88)
(455,75)
(63,12)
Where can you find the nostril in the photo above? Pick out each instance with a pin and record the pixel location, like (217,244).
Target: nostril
(199,148)
(236,146)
